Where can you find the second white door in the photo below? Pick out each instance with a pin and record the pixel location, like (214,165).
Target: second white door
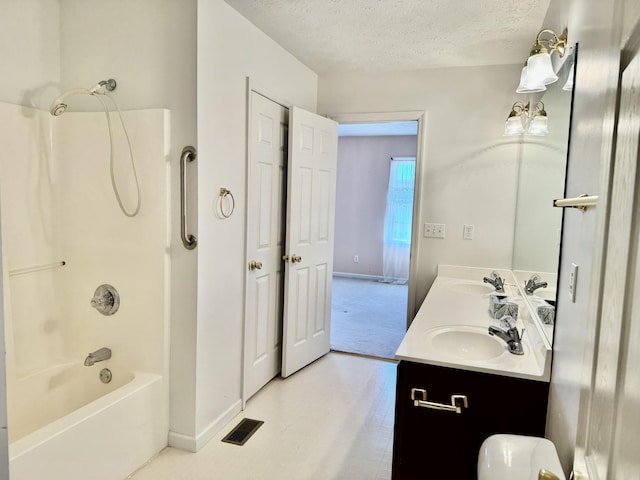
(265,242)
(311,191)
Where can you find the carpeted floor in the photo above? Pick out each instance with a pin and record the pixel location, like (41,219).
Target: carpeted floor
(367,317)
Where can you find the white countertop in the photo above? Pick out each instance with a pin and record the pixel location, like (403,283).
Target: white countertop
(459,299)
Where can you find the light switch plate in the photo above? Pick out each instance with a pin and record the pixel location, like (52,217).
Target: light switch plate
(573,278)
(434,230)
(467,232)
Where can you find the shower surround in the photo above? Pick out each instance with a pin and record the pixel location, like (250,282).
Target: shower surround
(63,235)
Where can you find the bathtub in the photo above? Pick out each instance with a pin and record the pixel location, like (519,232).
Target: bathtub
(117,429)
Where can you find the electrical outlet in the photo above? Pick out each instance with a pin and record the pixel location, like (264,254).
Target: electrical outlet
(356,258)
(467,232)
(573,278)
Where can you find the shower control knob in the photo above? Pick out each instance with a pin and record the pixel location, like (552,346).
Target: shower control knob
(106,300)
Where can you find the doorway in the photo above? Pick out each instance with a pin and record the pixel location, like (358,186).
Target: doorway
(375,189)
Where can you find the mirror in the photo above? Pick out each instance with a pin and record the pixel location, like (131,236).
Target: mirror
(538,227)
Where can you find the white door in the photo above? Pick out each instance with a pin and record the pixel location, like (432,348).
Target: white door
(311,180)
(265,242)
(612,435)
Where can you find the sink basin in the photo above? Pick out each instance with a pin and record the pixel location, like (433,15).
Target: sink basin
(464,343)
(546,293)
(472,288)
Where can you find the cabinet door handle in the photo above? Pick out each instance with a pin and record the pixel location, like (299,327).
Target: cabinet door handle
(458,402)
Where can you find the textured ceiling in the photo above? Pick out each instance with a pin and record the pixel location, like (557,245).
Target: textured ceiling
(390,35)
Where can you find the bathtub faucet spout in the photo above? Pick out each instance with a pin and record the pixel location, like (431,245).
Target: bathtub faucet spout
(98,356)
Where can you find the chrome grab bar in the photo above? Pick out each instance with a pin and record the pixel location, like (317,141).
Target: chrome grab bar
(458,402)
(189,154)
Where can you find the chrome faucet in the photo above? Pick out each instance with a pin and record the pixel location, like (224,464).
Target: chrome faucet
(533,284)
(98,356)
(508,332)
(496,281)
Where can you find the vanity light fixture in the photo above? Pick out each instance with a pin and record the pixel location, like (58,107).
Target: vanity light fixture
(538,71)
(514,124)
(523,119)
(539,124)
(526,85)
(568,86)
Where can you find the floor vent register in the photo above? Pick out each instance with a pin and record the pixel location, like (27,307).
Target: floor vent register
(243,431)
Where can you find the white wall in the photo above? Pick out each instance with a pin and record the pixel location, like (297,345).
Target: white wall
(229,50)
(30,46)
(469,171)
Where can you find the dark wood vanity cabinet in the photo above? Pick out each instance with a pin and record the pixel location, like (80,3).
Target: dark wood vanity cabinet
(433,444)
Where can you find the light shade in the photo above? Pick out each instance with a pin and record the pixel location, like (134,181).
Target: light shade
(513,126)
(568,86)
(526,86)
(539,126)
(540,70)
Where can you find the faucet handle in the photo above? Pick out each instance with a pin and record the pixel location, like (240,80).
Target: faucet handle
(507,322)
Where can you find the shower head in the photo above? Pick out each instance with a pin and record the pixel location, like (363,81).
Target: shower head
(58,107)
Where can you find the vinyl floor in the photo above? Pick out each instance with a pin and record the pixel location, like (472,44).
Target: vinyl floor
(333,420)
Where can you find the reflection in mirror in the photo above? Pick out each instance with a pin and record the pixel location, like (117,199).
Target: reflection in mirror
(538,226)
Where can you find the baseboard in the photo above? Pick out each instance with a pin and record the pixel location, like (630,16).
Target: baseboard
(182,442)
(193,444)
(218,424)
(359,276)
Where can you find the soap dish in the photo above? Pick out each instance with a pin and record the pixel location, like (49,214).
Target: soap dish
(500,305)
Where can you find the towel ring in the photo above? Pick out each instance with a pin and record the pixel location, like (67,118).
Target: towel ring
(229,203)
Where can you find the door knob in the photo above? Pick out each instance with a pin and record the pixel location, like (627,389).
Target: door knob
(285,258)
(296,258)
(253,265)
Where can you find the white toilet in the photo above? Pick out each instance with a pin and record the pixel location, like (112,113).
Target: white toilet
(518,457)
